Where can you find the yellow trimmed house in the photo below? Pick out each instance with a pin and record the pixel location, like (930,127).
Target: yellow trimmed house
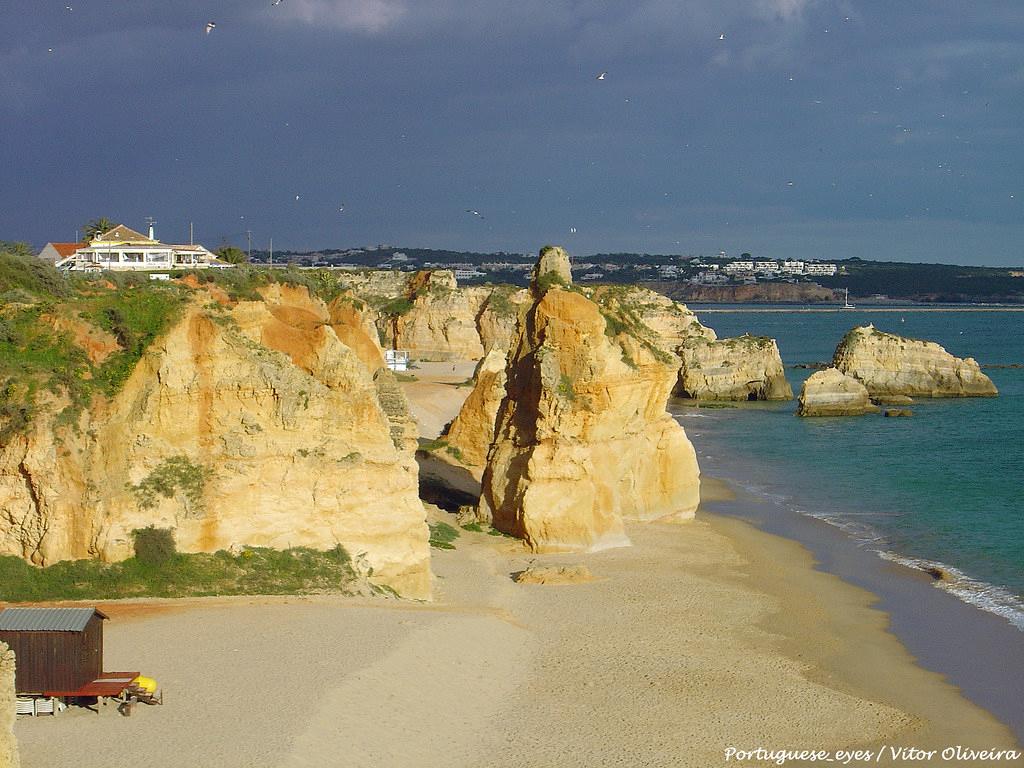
(123,249)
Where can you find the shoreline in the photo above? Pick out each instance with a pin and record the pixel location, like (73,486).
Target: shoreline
(703,635)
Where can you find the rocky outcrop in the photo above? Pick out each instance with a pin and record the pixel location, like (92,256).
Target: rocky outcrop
(888,364)
(8,744)
(670,323)
(582,438)
(832,393)
(435,319)
(498,320)
(472,430)
(742,368)
(249,425)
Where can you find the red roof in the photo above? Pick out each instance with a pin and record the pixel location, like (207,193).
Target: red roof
(66,249)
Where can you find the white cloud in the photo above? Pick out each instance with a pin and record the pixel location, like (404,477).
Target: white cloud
(369,16)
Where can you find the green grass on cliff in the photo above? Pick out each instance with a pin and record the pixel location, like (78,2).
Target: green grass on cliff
(253,571)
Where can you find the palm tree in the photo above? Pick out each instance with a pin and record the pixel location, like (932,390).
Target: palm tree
(98,227)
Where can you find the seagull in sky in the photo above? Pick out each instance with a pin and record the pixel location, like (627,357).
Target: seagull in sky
(296,197)
(601,76)
(475,213)
(342,208)
(276,2)
(722,36)
(210,26)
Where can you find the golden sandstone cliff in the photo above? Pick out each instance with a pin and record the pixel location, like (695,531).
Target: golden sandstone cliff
(888,364)
(245,424)
(582,438)
(8,745)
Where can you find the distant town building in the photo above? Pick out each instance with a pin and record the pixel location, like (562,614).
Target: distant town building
(793,267)
(467,274)
(768,267)
(820,269)
(739,266)
(124,249)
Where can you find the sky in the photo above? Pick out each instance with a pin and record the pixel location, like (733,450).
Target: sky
(784,128)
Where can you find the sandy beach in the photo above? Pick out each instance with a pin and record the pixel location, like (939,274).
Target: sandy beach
(701,637)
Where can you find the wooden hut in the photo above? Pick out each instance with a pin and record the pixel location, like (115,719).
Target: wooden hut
(57,649)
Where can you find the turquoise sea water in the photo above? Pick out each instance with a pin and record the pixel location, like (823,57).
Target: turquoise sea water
(942,488)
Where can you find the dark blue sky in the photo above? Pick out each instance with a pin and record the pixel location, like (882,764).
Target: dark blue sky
(887,130)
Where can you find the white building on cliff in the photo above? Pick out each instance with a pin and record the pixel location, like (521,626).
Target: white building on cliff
(123,249)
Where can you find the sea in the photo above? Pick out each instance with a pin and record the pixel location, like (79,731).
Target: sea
(943,489)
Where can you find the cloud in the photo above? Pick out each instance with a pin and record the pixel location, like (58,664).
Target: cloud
(368,16)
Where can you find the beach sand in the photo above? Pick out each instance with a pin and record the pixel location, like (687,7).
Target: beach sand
(702,636)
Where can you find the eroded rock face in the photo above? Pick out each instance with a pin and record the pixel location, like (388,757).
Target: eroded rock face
(583,439)
(832,393)
(742,368)
(671,323)
(553,265)
(441,323)
(888,364)
(8,744)
(472,430)
(275,431)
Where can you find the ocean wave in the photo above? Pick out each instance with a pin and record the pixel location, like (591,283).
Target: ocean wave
(988,597)
(980,594)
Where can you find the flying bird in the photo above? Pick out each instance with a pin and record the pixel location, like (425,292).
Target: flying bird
(296,197)
(276,2)
(601,76)
(475,213)
(68,8)
(342,208)
(572,230)
(722,36)
(210,26)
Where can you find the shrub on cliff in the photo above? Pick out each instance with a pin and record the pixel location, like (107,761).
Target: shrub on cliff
(154,546)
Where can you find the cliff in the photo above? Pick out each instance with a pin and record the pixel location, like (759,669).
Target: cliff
(8,744)
(247,423)
(434,319)
(472,430)
(742,368)
(888,364)
(582,437)
(832,393)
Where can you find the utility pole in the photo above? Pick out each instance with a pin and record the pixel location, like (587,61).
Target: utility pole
(190,242)
(248,234)
(271,251)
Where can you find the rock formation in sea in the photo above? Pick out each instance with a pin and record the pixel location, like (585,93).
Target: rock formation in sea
(8,744)
(888,364)
(582,437)
(832,393)
(248,423)
(741,368)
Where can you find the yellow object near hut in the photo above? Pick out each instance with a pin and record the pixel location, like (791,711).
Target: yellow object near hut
(148,684)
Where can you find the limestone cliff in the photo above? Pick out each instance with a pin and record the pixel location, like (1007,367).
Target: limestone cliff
(472,430)
(434,319)
(888,364)
(582,437)
(251,424)
(832,393)
(8,744)
(671,323)
(741,368)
